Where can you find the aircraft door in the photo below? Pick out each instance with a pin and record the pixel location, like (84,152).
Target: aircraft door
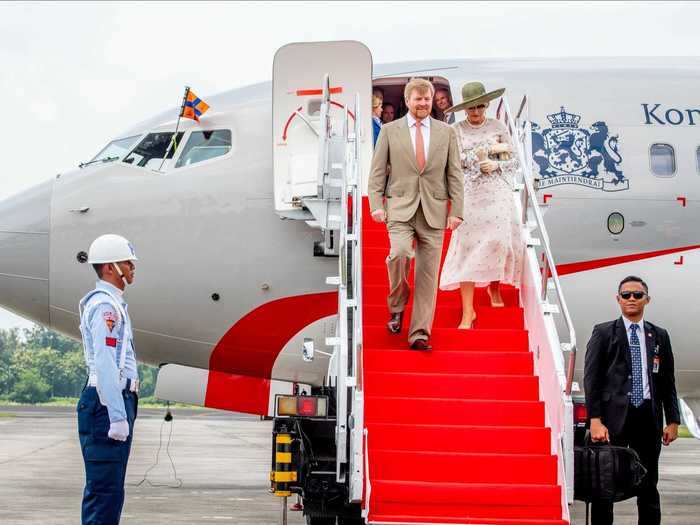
(299,72)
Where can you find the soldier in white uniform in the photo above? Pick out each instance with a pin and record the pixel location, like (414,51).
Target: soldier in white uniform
(108,404)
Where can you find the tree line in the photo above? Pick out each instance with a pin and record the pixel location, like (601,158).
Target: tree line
(39,365)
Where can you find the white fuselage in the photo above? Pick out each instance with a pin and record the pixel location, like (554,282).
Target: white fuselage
(210,227)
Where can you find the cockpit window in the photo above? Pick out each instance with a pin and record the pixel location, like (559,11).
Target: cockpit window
(205,145)
(150,151)
(116,149)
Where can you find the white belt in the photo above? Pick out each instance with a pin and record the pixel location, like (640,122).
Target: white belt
(133,383)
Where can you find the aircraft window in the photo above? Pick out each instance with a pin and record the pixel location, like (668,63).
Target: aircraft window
(153,146)
(205,145)
(663,160)
(116,149)
(616,223)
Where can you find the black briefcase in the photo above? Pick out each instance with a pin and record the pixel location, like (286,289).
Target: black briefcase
(606,472)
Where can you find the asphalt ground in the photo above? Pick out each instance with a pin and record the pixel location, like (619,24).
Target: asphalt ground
(223,460)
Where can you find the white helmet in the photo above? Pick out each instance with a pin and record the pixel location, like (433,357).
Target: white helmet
(110,248)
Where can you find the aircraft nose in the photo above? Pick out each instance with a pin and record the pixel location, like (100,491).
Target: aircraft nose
(24,252)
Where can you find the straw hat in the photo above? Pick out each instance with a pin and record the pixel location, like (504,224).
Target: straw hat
(473,94)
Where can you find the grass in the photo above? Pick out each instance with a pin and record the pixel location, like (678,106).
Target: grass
(6,414)
(683,432)
(144,402)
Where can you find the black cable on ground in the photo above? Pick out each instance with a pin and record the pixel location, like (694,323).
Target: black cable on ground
(178,482)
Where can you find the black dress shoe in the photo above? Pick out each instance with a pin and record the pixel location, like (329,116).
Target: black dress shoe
(421,344)
(394,324)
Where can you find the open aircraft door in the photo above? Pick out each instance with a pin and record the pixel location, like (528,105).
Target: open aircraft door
(300,105)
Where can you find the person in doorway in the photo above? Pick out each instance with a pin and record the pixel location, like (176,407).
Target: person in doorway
(378,92)
(376,117)
(630,385)
(442,102)
(388,112)
(108,404)
(486,250)
(413,201)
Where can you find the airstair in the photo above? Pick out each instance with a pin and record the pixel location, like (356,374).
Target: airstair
(480,429)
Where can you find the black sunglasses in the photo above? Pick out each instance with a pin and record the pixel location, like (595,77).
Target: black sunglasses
(480,106)
(636,295)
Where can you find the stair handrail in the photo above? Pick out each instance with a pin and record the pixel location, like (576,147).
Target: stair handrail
(521,130)
(357,460)
(349,384)
(559,408)
(341,340)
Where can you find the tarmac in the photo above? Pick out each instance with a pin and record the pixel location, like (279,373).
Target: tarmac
(223,462)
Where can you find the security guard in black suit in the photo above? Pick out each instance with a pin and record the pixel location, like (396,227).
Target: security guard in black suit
(630,385)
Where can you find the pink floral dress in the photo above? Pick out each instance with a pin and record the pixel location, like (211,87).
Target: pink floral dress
(487,246)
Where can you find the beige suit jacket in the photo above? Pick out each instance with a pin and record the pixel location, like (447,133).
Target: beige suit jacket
(396,183)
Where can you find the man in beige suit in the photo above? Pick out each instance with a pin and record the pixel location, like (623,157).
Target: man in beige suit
(415,172)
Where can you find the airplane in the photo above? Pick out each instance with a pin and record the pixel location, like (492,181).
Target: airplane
(231,280)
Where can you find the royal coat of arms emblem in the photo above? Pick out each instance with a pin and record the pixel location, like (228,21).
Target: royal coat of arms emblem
(568,154)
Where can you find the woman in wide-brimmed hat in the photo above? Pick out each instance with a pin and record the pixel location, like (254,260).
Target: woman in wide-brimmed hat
(486,249)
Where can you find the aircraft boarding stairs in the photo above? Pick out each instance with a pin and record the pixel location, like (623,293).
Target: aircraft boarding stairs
(478,430)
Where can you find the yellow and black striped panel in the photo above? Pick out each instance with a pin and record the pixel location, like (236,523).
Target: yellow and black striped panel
(283,472)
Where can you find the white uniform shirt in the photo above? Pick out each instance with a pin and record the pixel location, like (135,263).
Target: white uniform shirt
(641,334)
(424,129)
(104,329)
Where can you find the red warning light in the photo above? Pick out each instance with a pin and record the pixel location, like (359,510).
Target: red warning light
(306,406)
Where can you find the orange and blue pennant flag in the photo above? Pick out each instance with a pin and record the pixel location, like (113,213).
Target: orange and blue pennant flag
(194,107)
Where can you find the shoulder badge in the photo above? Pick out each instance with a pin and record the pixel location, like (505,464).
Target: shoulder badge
(110,320)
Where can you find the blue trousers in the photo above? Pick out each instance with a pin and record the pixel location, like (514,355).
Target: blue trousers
(105,459)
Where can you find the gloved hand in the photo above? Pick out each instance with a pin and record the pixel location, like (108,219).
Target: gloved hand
(119,430)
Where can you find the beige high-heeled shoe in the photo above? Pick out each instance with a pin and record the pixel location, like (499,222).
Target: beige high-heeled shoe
(469,326)
(493,304)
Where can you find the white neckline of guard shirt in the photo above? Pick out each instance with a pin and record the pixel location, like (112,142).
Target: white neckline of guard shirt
(112,288)
(425,130)
(642,335)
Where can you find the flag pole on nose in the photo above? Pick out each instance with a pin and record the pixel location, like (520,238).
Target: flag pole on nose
(173,140)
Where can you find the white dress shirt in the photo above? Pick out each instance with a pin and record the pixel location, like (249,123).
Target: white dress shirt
(424,129)
(643,347)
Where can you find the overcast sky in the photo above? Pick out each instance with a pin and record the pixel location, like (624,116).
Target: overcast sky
(75,75)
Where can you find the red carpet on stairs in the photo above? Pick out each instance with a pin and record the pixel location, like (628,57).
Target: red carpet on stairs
(457,434)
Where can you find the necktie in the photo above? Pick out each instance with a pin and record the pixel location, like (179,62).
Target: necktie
(636,351)
(420,148)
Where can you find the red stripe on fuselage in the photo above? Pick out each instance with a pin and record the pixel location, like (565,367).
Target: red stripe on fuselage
(583,266)
(237,393)
(241,363)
